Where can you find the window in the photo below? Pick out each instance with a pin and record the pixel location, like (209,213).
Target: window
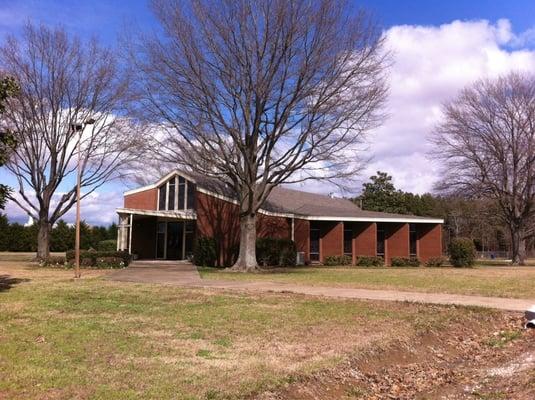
(191,196)
(181,193)
(348,242)
(380,240)
(162,196)
(171,197)
(413,240)
(314,244)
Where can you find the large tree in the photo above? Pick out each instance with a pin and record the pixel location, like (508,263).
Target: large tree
(486,143)
(8,87)
(258,93)
(63,83)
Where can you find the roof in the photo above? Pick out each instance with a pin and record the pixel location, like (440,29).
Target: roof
(297,203)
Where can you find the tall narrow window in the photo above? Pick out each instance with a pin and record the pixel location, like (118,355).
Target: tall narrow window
(191,196)
(162,196)
(171,197)
(413,240)
(181,193)
(348,242)
(380,240)
(314,244)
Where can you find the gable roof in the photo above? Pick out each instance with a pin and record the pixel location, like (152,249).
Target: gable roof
(296,203)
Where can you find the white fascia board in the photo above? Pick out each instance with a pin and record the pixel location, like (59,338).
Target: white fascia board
(179,214)
(407,220)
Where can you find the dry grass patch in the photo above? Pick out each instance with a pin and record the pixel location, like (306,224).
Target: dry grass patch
(514,282)
(99,339)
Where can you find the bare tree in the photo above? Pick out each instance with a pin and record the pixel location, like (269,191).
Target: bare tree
(62,82)
(486,142)
(258,93)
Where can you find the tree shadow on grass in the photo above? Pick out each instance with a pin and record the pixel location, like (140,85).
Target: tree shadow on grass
(7,282)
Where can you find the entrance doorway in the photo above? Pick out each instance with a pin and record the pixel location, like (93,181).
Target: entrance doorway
(174,240)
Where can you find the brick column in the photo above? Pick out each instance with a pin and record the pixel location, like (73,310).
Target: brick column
(332,239)
(397,241)
(429,241)
(364,239)
(302,237)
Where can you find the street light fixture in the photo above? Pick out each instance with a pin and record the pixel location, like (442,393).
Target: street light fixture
(79,127)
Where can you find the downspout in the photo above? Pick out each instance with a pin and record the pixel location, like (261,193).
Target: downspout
(293,229)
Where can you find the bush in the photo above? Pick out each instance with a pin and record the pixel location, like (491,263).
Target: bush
(435,262)
(370,261)
(462,252)
(107,245)
(93,258)
(52,261)
(205,252)
(276,252)
(338,260)
(405,262)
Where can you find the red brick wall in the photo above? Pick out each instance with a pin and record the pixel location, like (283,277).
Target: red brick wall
(145,200)
(429,241)
(364,239)
(302,237)
(219,219)
(275,227)
(397,241)
(332,239)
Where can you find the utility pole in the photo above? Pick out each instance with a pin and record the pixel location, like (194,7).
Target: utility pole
(79,128)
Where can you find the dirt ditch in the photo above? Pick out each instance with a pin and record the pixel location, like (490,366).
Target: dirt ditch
(494,360)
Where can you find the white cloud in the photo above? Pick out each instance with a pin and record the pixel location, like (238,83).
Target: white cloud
(98,208)
(431,64)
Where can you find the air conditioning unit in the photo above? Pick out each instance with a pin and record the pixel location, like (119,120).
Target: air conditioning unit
(300,258)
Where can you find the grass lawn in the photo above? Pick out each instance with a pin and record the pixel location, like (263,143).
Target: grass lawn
(97,339)
(516,282)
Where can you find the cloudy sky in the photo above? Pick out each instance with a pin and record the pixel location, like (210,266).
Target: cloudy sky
(437,47)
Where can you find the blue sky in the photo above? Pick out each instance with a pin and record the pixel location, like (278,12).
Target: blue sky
(438,47)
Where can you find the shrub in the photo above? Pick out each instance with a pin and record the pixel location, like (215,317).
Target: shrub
(52,261)
(205,252)
(276,252)
(370,261)
(405,262)
(462,252)
(107,245)
(338,260)
(93,258)
(435,262)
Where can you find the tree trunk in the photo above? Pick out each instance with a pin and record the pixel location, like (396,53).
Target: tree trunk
(518,247)
(247,257)
(43,240)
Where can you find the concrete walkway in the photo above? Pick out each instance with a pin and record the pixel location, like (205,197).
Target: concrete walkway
(163,272)
(185,274)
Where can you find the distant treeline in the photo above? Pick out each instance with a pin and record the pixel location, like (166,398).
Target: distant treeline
(17,237)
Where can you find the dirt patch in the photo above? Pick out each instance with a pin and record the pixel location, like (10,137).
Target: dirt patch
(490,361)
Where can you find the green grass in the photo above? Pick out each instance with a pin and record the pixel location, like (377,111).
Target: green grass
(516,282)
(97,339)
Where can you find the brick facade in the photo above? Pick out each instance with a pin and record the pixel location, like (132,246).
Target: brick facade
(397,241)
(219,219)
(332,239)
(145,200)
(302,237)
(429,241)
(364,239)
